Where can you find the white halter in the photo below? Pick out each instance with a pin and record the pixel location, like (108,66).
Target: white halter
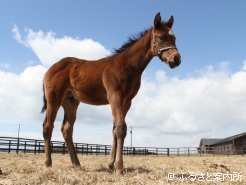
(165,49)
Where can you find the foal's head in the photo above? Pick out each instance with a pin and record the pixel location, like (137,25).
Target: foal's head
(163,42)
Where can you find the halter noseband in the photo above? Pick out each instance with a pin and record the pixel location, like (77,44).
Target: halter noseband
(164,48)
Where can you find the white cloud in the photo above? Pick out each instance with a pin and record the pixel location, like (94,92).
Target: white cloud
(166,112)
(16,34)
(49,49)
(244,65)
(211,104)
(20,95)
(4,66)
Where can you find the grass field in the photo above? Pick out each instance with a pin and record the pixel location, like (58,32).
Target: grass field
(29,169)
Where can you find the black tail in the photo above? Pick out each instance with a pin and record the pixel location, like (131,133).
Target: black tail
(45,102)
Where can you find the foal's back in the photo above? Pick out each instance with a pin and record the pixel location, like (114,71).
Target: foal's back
(78,78)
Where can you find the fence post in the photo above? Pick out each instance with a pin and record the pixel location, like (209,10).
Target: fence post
(17,150)
(82,149)
(106,152)
(157,151)
(167,152)
(35,149)
(63,149)
(9,146)
(188,152)
(178,151)
(25,148)
(39,148)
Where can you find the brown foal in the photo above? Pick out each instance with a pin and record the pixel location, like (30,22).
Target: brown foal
(113,80)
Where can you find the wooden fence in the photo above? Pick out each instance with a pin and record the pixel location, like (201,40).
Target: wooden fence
(23,145)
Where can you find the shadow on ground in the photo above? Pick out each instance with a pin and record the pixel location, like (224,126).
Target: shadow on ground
(139,170)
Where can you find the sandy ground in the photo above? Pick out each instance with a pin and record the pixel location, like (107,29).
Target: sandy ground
(29,169)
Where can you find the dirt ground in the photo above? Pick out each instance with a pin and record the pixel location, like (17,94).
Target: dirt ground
(29,169)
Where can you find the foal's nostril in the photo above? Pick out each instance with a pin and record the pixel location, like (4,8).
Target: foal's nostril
(177,60)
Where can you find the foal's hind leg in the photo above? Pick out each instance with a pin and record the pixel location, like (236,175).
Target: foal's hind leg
(70,106)
(48,126)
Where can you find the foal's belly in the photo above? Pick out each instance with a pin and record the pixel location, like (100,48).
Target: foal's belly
(95,97)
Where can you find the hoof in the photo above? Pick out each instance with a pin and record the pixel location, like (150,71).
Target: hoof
(77,166)
(118,166)
(111,166)
(118,172)
(48,164)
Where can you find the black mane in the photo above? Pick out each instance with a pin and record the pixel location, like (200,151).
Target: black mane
(131,40)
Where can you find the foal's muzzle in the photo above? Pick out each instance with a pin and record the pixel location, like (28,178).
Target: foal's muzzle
(175,62)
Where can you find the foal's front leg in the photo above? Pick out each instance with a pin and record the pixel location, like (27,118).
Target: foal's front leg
(119,132)
(113,150)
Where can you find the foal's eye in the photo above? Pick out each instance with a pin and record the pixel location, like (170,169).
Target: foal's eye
(163,38)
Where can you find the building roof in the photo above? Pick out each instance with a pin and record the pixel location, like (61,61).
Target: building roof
(209,141)
(229,139)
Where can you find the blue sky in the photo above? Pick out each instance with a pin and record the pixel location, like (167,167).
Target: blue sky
(207,32)
(207,89)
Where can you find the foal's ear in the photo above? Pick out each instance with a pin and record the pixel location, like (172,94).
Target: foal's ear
(169,23)
(157,21)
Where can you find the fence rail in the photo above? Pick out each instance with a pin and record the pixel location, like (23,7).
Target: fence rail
(23,145)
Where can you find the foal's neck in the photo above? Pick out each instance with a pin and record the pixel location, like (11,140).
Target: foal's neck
(139,54)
